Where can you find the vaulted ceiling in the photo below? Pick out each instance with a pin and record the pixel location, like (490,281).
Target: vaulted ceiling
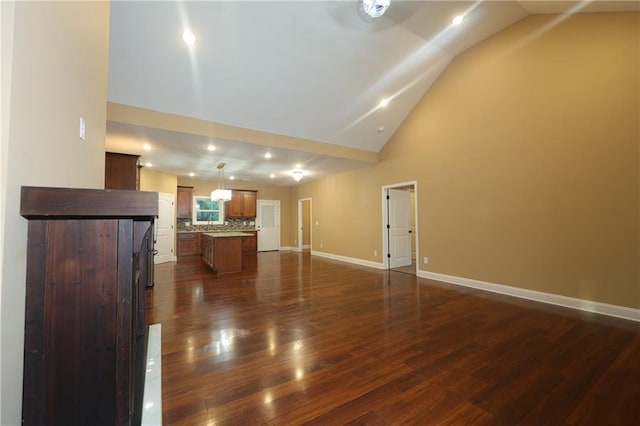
(302,80)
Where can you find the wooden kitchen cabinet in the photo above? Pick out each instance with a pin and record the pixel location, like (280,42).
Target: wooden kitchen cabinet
(222,254)
(185,202)
(121,171)
(207,251)
(189,244)
(250,244)
(242,204)
(85,337)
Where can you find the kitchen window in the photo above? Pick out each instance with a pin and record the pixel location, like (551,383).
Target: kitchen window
(207,212)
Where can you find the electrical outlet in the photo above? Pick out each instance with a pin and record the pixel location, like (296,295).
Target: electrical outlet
(426,260)
(375,252)
(321,245)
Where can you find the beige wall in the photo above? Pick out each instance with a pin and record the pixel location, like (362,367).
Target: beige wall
(155,181)
(56,57)
(265,192)
(526,154)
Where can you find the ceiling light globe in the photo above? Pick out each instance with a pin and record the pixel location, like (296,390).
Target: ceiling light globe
(375,8)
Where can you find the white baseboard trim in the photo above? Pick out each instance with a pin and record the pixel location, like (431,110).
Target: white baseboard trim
(306,247)
(354,260)
(289,248)
(538,296)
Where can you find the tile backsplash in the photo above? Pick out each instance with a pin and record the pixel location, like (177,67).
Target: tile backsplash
(231,225)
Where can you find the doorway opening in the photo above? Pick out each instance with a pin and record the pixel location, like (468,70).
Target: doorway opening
(304,224)
(400,227)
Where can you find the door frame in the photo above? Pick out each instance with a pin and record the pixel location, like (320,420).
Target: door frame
(385,220)
(300,246)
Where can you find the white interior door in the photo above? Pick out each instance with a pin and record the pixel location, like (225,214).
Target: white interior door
(164,229)
(268,225)
(399,228)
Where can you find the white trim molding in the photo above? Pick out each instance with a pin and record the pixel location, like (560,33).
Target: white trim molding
(370,264)
(538,296)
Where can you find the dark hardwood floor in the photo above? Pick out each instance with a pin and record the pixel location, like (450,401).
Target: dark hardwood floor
(297,339)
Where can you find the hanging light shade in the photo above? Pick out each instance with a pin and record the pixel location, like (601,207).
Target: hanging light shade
(221,194)
(375,8)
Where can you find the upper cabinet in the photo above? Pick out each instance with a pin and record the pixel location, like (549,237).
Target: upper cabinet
(242,204)
(121,171)
(185,202)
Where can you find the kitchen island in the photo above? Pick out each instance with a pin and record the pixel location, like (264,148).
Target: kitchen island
(222,251)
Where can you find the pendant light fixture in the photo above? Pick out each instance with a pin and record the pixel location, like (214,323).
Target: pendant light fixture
(297,175)
(221,194)
(375,8)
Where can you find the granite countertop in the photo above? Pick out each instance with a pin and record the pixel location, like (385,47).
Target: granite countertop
(213,232)
(226,234)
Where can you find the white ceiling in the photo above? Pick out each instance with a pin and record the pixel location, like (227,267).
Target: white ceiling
(314,70)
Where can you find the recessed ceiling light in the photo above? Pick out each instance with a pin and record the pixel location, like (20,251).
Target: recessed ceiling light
(211,148)
(380,129)
(384,102)
(146,147)
(267,155)
(272,175)
(148,164)
(232,177)
(298,166)
(457,20)
(189,38)
(192,174)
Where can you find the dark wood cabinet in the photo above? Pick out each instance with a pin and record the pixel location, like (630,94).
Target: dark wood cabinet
(121,171)
(249,200)
(222,254)
(242,204)
(250,244)
(208,254)
(189,244)
(185,202)
(87,266)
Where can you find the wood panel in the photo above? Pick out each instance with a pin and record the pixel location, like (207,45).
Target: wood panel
(184,202)
(227,254)
(40,202)
(189,244)
(242,204)
(250,244)
(223,254)
(296,339)
(83,289)
(121,171)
